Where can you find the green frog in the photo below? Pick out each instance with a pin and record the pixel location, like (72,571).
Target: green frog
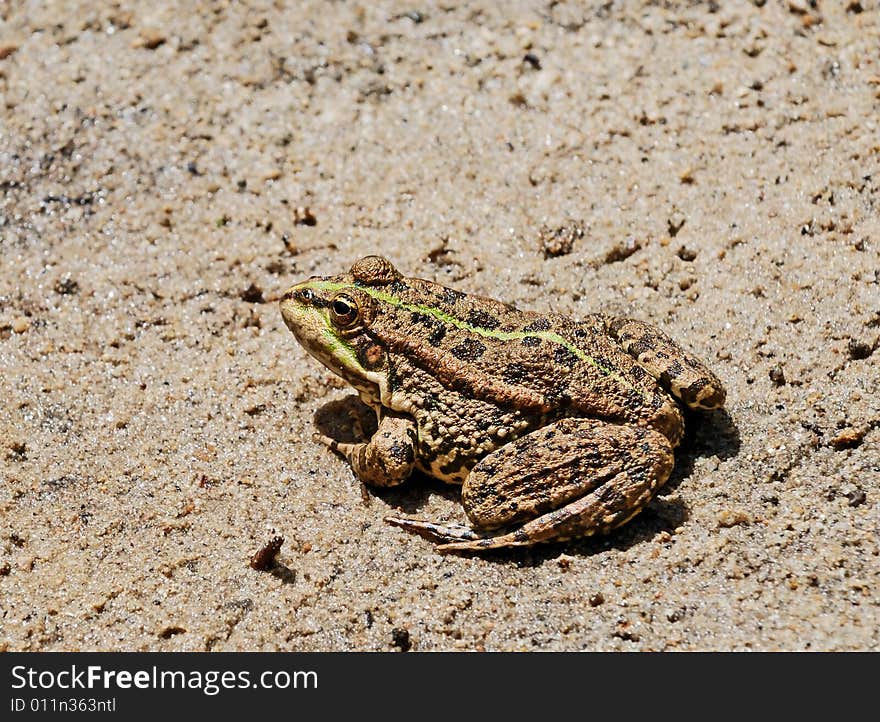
(556,428)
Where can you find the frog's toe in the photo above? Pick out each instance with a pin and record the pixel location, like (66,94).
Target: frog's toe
(434,532)
(503,541)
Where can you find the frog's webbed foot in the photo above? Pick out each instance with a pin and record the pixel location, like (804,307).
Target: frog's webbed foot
(455,537)
(388,458)
(440,533)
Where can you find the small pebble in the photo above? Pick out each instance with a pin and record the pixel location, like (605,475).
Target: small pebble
(848,439)
(66,286)
(400,639)
(777,375)
(859,350)
(252,294)
(857,498)
(151,39)
(264,558)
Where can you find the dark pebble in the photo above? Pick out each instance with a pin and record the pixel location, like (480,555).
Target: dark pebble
(857,497)
(777,375)
(253,294)
(400,639)
(66,286)
(859,350)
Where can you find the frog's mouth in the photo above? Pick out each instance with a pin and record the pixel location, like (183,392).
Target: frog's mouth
(306,315)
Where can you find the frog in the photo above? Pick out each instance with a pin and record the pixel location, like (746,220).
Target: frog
(556,428)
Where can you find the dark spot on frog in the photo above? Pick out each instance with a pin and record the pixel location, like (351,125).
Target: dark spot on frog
(482,319)
(564,357)
(450,296)
(639,474)
(689,394)
(402,452)
(468,349)
(514,373)
(539,324)
(437,335)
(675,369)
(422,319)
(633,400)
(488,470)
(638,373)
(531,341)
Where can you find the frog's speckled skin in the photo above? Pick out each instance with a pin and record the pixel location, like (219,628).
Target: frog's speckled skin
(557,428)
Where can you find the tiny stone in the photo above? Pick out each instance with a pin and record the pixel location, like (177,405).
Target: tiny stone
(686,254)
(400,639)
(7,49)
(622,251)
(264,558)
(20,324)
(66,286)
(303,216)
(675,615)
(777,375)
(532,60)
(151,39)
(848,439)
(597,599)
(252,294)
(859,350)
(856,498)
(559,241)
(675,223)
(17,451)
(729,518)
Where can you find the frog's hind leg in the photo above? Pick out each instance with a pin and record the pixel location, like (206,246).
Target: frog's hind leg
(680,373)
(574,478)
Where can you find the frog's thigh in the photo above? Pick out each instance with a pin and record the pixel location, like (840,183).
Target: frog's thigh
(388,458)
(574,478)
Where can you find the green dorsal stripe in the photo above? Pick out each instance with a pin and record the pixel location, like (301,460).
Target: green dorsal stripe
(444,317)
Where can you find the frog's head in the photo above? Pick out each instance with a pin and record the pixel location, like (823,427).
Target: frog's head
(331,317)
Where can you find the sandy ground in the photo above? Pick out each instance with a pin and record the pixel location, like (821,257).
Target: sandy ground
(166,174)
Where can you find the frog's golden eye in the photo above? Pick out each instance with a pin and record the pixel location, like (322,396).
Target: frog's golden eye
(344,311)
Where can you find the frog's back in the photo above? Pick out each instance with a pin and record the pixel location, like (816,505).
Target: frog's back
(543,365)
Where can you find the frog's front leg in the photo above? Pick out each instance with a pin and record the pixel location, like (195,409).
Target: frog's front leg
(573,478)
(388,458)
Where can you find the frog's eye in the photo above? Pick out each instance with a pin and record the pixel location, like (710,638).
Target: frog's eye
(344,311)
